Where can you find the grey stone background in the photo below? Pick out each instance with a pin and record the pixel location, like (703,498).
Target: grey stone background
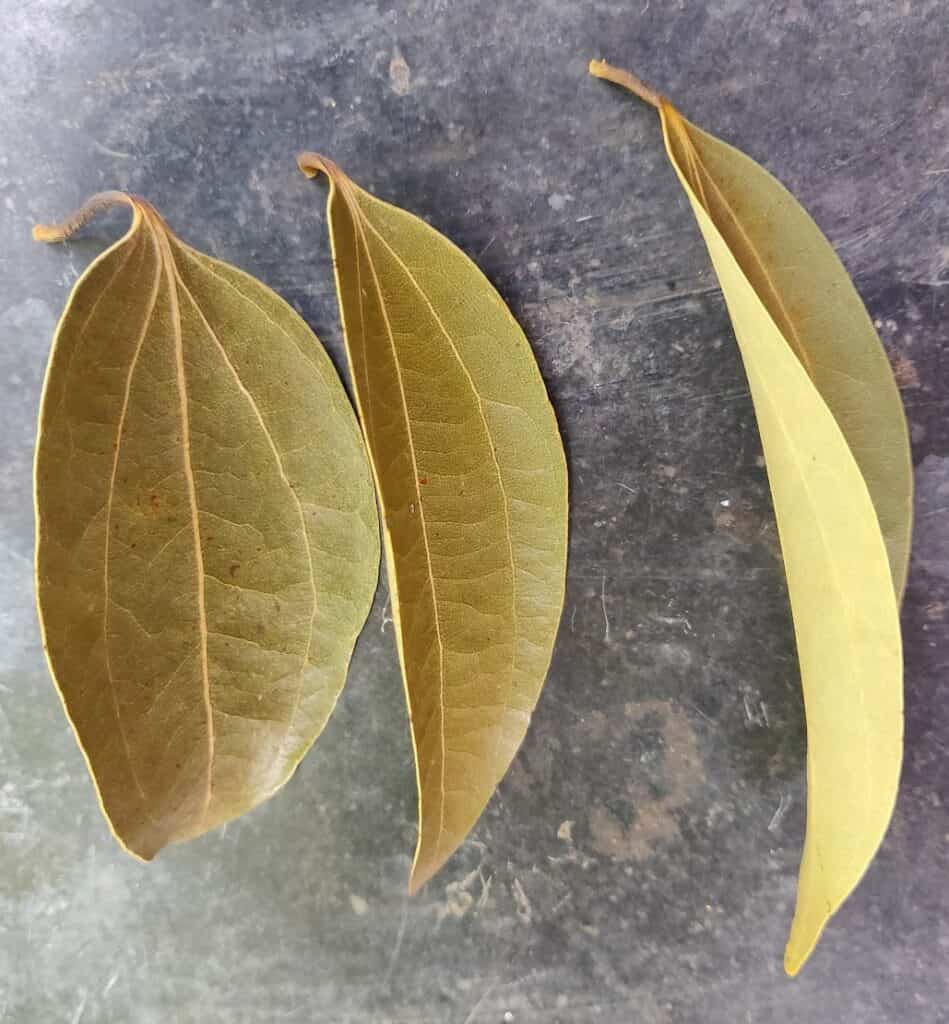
(638,863)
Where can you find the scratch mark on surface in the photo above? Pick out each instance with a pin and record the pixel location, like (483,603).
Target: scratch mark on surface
(386,617)
(523,903)
(699,711)
(485,889)
(81,1008)
(625,487)
(400,934)
(606,617)
(488,246)
(783,804)
(110,152)
(573,618)
(110,984)
(749,714)
(477,1006)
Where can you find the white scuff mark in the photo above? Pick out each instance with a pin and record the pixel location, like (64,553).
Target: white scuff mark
(565,832)
(485,889)
(749,714)
(477,1006)
(72,265)
(756,712)
(397,945)
(557,200)
(359,905)
(674,620)
(81,1008)
(523,907)
(488,246)
(110,984)
(606,617)
(386,617)
(783,805)
(111,152)
(583,220)
(625,487)
(699,711)
(573,618)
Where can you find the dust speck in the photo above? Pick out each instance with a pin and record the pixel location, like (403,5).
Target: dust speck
(400,74)
(359,905)
(557,201)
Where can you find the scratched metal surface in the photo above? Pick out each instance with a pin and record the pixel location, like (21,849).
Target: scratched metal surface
(638,863)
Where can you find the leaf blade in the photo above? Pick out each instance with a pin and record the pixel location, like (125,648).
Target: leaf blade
(154,783)
(799,334)
(844,599)
(463,589)
(790,262)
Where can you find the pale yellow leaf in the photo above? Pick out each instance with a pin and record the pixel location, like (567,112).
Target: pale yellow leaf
(835,442)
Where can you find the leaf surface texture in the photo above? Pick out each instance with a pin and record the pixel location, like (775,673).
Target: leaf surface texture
(471,477)
(207,543)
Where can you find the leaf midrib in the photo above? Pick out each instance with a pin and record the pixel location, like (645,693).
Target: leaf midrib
(283,476)
(505,500)
(794,340)
(110,495)
(358,221)
(168,265)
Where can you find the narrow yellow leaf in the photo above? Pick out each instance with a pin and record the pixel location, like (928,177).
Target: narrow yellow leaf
(836,446)
(207,543)
(471,477)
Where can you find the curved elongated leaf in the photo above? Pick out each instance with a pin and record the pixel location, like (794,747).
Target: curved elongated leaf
(836,446)
(471,476)
(207,542)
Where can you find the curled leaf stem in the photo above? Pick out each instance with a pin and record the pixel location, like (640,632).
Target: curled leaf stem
(627,80)
(89,209)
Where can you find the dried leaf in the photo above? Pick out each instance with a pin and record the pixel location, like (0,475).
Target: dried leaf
(835,441)
(207,544)
(471,476)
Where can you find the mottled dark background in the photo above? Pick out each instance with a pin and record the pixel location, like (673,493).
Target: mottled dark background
(638,863)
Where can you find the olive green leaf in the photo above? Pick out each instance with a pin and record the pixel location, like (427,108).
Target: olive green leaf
(836,445)
(207,542)
(471,477)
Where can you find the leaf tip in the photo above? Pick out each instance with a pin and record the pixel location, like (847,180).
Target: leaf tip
(419,876)
(793,961)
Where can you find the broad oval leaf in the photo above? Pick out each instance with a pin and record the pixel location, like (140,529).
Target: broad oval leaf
(837,451)
(207,541)
(471,477)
